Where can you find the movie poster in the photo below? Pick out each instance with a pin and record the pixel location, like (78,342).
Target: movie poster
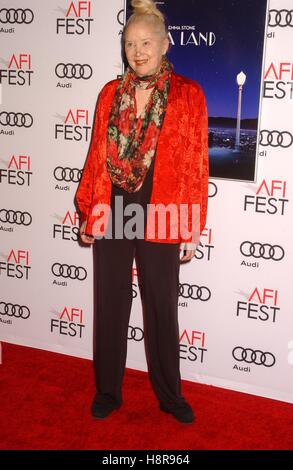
(220,44)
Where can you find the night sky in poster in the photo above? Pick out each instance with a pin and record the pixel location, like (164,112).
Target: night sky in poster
(239,29)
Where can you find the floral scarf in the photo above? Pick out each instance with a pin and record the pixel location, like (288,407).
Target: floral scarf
(132,141)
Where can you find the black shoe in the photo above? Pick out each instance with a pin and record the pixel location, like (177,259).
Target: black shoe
(183,413)
(100,411)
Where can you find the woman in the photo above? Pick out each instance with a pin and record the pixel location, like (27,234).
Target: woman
(149,147)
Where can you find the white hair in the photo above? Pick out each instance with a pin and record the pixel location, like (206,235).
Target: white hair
(147,12)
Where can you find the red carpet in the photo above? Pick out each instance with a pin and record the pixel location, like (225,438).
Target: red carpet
(45,404)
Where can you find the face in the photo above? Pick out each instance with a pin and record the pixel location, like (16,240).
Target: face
(144,48)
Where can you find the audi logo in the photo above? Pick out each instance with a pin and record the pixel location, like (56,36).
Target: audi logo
(257,357)
(276,139)
(67,174)
(16,119)
(135,333)
(213,189)
(77,71)
(281,18)
(265,251)
(15,217)
(14,310)
(119,14)
(18,16)
(194,292)
(69,271)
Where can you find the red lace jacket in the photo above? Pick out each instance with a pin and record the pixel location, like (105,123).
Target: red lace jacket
(181,161)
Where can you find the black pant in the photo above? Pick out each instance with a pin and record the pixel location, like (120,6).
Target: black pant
(158,273)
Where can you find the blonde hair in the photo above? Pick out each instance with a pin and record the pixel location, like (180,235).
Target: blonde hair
(147,11)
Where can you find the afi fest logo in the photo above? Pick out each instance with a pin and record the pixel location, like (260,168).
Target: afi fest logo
(270,198)
(261,305)
(18,72)
(69,322)
(205,247)
(75,126)
(278,81)
(16,265)
(136,285)
(67,227)
(17,172)
(76,19)
(192,346)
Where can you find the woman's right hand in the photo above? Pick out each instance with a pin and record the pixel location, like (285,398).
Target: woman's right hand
(88,239)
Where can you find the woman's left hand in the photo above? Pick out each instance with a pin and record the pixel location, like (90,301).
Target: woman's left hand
(189,254)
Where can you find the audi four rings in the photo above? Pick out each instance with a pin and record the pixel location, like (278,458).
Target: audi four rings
(119,20)
(250,356)
(265,251)
(74,71)
(213,189)
(67,174)
(281,18)
(194,292)
(135,333)
(15,217)
(14,310)
(16,119)
(69,271)
(18,16)
(275,139)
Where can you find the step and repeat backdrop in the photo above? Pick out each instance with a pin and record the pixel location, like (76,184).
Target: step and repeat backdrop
(236,298)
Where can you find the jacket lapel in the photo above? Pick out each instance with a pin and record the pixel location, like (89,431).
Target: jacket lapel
(168,132)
